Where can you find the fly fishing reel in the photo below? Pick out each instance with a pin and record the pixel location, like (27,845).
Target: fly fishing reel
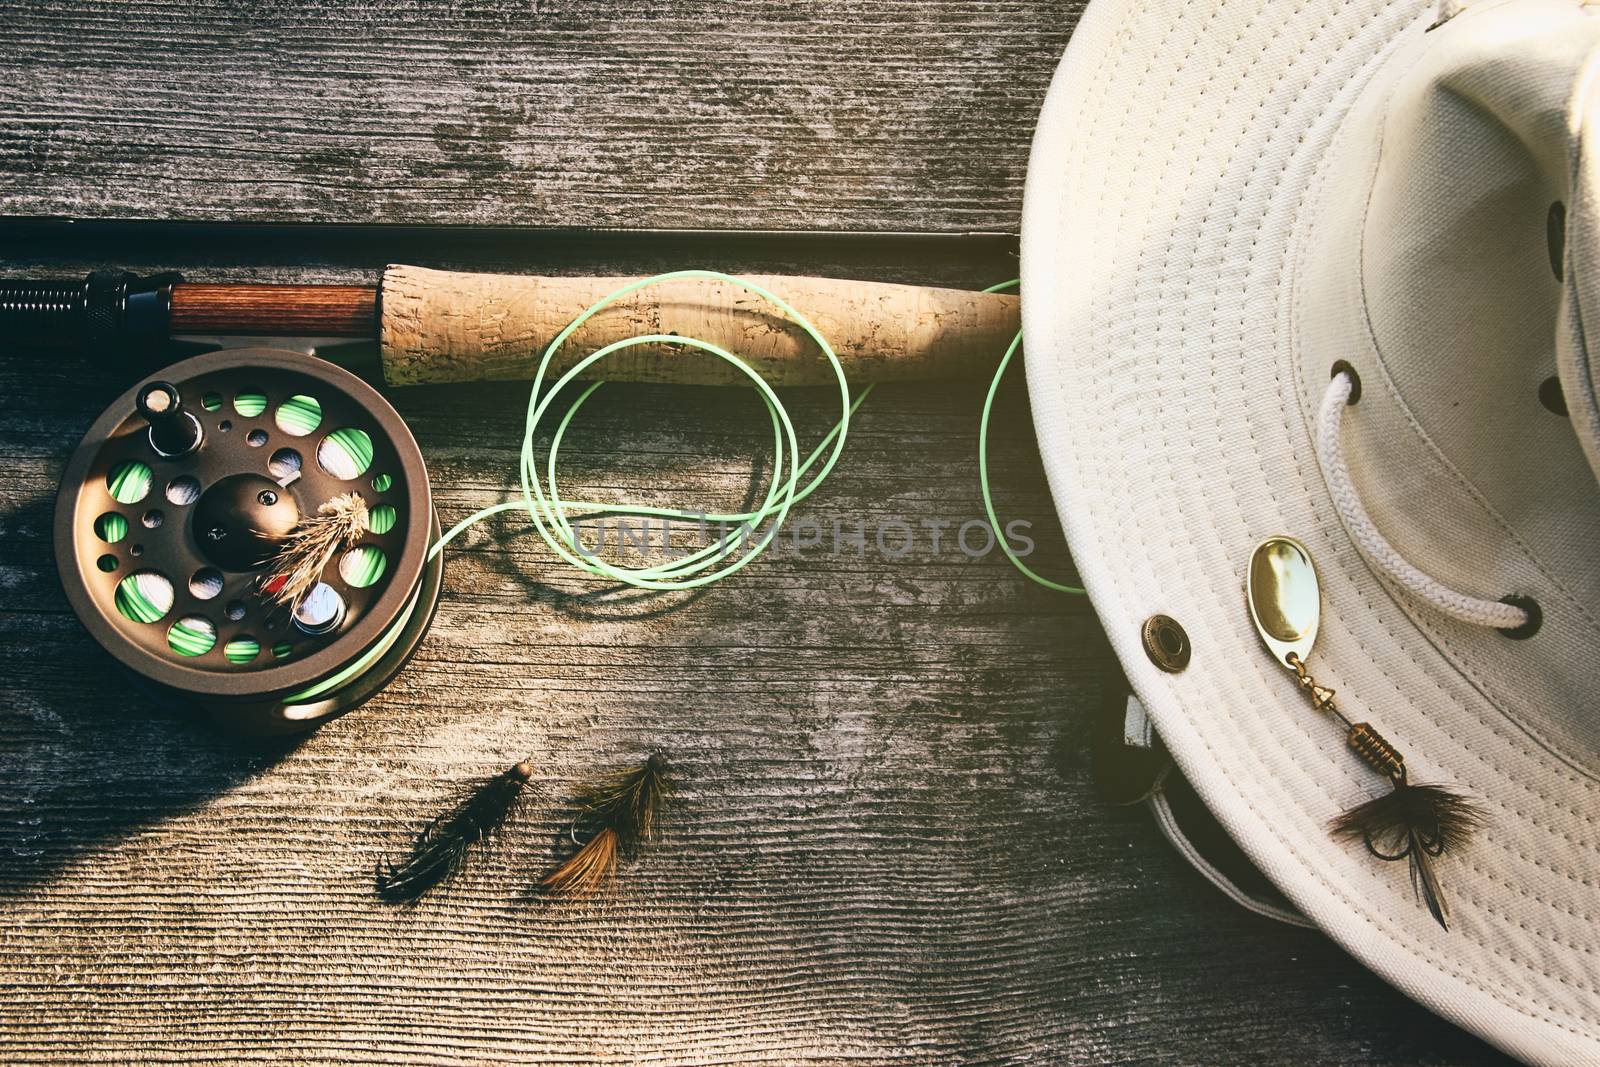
(181,502)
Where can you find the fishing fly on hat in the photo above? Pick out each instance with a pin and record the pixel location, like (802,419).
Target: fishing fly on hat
(1325,275)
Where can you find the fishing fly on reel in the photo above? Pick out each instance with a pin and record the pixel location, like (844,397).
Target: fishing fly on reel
(181,502)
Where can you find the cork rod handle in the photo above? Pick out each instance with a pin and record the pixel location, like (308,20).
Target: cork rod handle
(443,326)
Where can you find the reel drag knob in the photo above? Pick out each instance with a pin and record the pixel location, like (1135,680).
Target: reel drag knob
(174,429)
(241,520)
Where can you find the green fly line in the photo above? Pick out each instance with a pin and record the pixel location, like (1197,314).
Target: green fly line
(983,460)
(732,550)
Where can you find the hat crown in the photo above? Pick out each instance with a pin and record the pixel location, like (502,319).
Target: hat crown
(1444,259)
(1464,261)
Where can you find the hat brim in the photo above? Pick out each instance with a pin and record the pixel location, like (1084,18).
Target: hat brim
(1173,154)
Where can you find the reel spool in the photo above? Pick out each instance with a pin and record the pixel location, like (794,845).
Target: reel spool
(180,493)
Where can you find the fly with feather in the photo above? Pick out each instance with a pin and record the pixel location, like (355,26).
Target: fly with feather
(1414,822)
(617,813)
(297,566)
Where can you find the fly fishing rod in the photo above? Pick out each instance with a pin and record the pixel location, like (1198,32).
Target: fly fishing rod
(435,326)
(252,530)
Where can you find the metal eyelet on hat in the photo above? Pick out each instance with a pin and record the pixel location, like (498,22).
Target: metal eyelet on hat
(1535,617)
(1166,643)
(1555,235)
(1552,397)
(1342,366)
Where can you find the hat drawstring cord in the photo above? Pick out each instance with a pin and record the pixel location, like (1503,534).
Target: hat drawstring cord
(1340,394)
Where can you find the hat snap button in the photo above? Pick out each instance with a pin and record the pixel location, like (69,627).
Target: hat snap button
(1166,643)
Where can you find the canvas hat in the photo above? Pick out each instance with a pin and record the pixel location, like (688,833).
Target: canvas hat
(1227,199)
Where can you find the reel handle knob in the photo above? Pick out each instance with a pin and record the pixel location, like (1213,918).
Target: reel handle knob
(174,429)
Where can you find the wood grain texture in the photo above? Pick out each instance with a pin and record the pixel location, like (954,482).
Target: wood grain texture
(887,848)
(823,114)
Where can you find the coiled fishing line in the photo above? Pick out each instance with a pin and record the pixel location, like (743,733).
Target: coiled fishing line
(550,514)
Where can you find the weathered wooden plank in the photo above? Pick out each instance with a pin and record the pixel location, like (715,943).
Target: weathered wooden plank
(887,848)
(880,115)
